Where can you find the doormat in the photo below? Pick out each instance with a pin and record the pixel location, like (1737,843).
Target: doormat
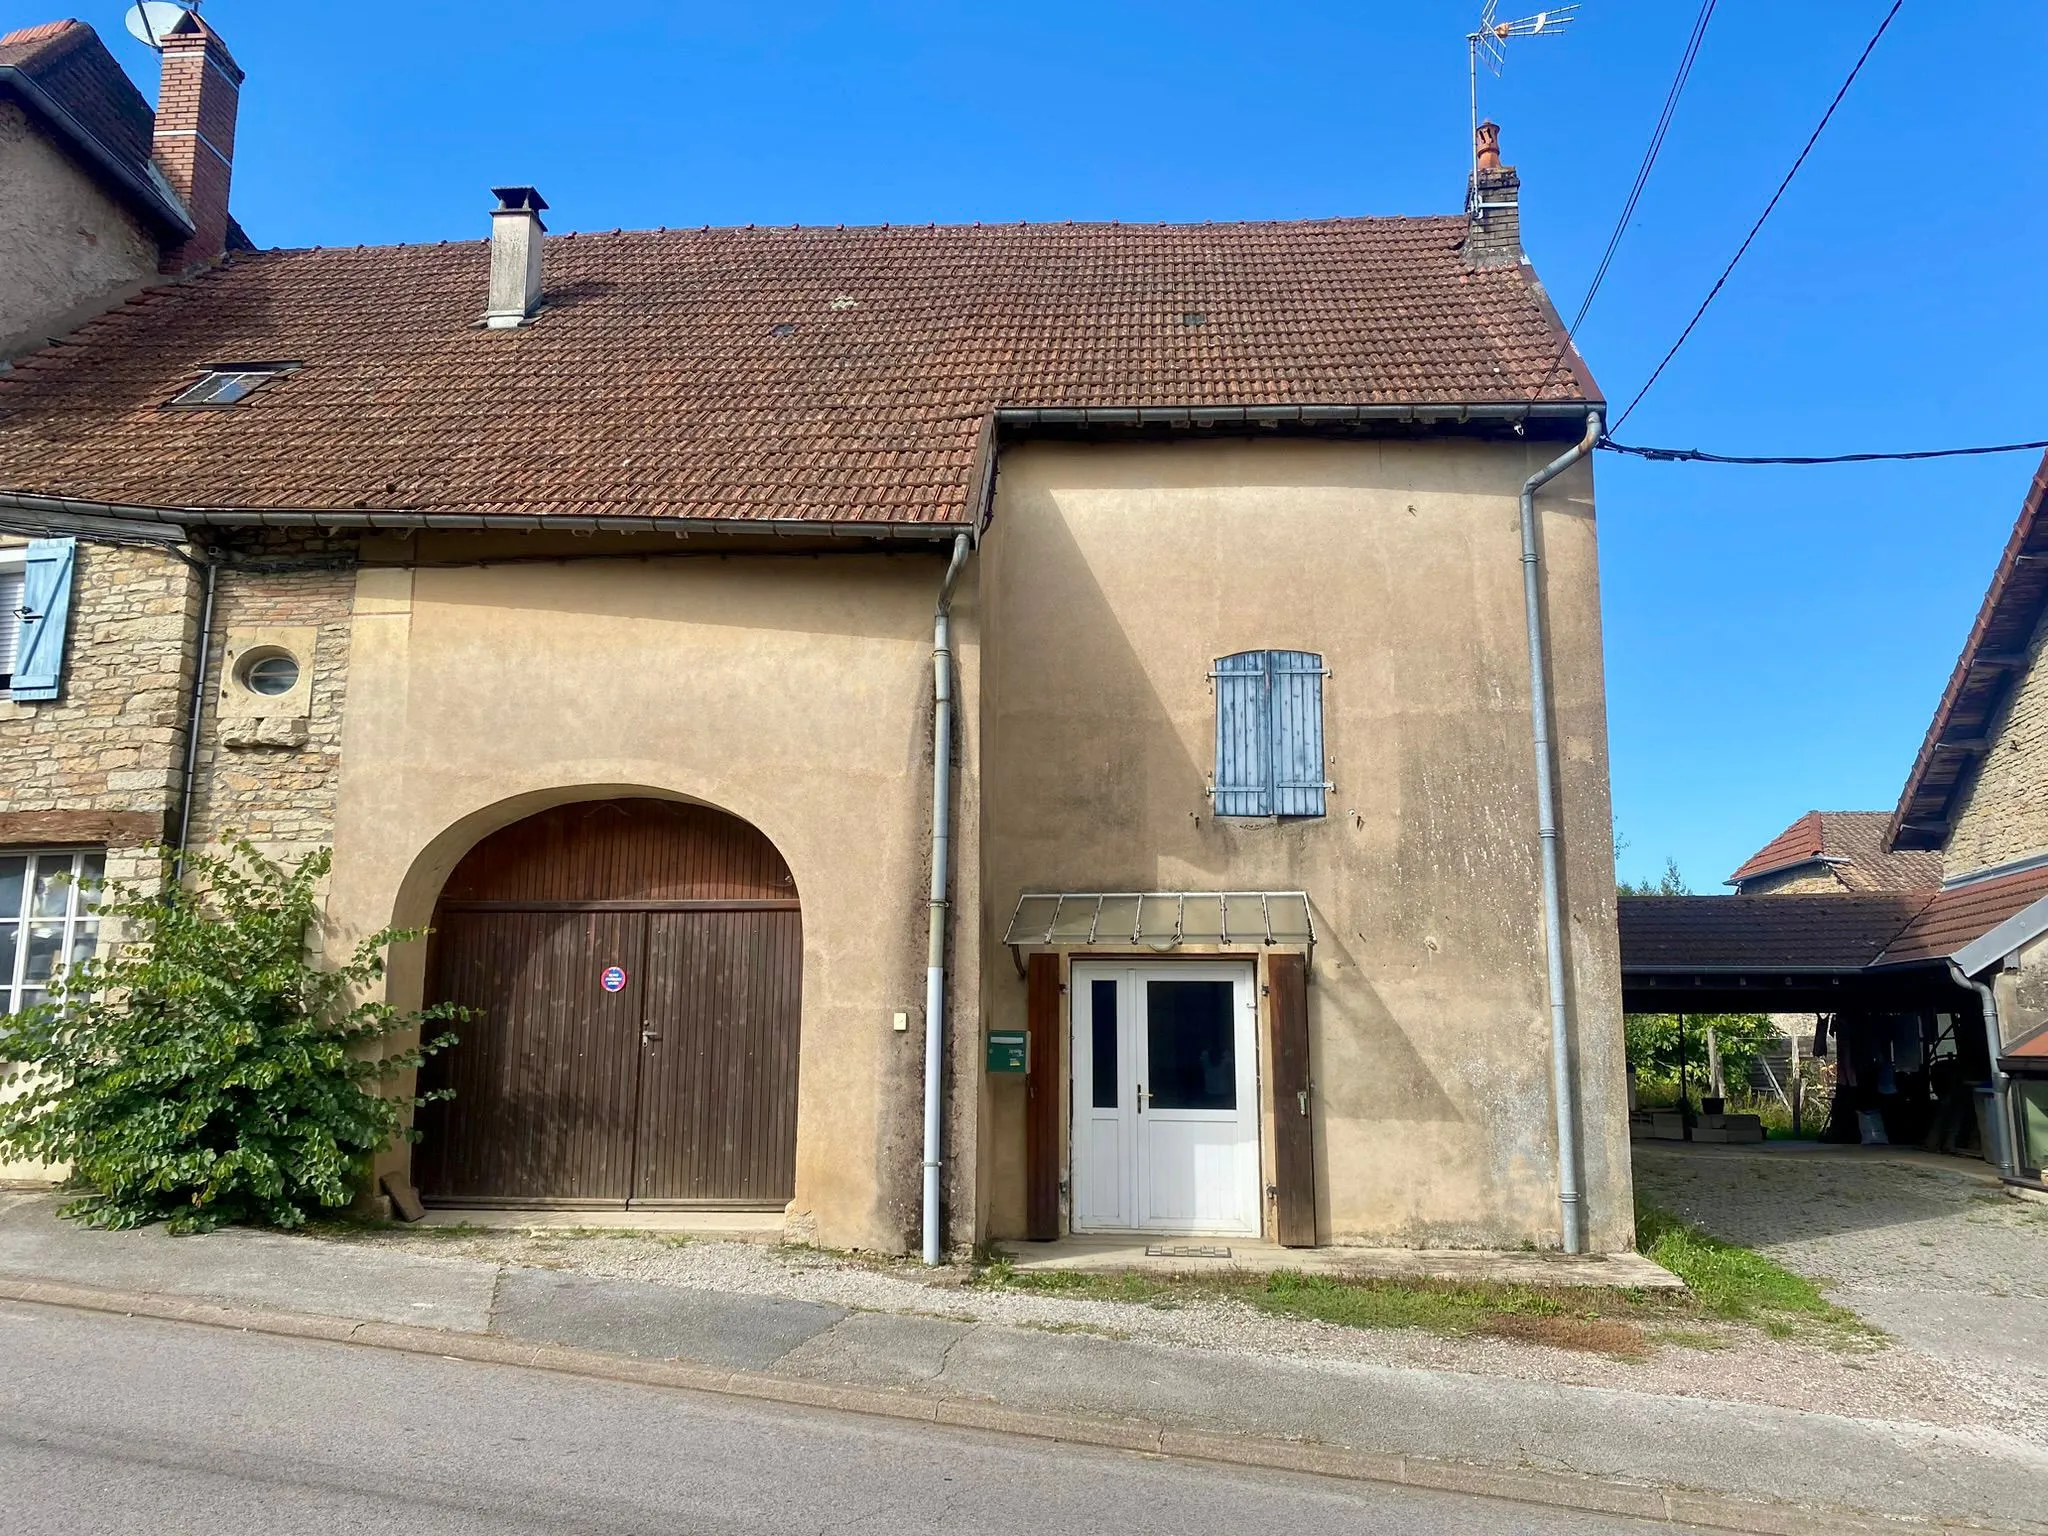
(1158,1251)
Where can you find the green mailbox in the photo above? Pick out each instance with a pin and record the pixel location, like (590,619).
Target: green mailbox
(1009,1050)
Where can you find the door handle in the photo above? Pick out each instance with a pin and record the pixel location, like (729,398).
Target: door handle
(650,1034)
(1141,1098)
(1301,1097)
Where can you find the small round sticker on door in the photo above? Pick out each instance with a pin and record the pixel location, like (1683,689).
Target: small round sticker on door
(613,979)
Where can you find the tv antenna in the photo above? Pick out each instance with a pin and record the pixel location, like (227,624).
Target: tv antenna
(151,21)
(1490,43)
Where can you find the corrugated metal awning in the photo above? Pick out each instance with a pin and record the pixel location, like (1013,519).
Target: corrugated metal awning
(1159,920)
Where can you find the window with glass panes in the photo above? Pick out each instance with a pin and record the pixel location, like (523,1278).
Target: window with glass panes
(49,919)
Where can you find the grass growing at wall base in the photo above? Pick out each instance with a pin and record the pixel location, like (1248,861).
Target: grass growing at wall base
(1735,1283)
(1726,1285)
(1589,1320)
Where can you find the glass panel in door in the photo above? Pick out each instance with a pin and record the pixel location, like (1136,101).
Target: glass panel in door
(1198,1153)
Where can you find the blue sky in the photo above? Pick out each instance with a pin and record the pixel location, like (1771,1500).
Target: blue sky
(1776,639)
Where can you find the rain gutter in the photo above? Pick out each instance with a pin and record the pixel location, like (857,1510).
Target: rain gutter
(1284,415)
(2001,1085)
(935,941)
(1562,1084)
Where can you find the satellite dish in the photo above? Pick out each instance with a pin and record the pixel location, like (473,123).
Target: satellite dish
(150,22)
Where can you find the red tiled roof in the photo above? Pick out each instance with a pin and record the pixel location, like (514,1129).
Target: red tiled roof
(1852,842)
(1984,675)
(815,374)
(1820,932)
(1797,844)
(1965,912)
(2029,1052)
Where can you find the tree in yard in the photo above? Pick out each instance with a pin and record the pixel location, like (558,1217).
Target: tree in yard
(206,1070)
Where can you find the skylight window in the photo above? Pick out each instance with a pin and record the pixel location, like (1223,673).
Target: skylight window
(226,384)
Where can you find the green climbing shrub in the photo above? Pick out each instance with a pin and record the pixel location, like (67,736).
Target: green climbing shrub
(205,1070)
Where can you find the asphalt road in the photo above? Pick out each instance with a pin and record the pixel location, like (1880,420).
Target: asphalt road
(120,1424)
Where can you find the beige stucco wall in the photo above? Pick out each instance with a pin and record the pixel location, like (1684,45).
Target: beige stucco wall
(793,692)
(1112,578)
(67,250)
(2003,813)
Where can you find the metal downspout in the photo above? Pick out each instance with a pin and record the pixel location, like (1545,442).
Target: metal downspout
(1546,796)
(935,941)
(195,714)
(2001,1107)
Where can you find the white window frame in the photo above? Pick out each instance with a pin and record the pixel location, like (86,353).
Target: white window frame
(14,561)
(78,921)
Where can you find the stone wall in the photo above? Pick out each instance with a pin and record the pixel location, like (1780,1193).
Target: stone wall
(1815,879)
(2003,813)
(268,769)
(102,762)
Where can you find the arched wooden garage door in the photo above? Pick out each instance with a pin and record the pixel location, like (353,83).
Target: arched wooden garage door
(636,966)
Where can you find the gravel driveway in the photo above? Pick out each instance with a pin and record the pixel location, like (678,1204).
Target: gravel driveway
(1929,1249)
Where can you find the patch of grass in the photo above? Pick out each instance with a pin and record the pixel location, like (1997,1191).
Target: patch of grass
(1568,1320)
(1737,1283)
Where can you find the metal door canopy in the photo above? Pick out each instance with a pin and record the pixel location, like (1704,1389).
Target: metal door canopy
(1162,921)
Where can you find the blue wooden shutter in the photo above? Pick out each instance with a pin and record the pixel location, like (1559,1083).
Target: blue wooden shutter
(45,615)
(1297,723)
(1244,738)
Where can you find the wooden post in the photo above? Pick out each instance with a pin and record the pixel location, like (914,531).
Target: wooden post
(1714,1063)
(1798,1080)
(1684,1093)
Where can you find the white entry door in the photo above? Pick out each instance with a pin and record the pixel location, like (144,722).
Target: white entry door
(1165,1100)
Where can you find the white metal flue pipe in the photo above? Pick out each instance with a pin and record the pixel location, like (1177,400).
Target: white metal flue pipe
(1547,823)
(935,942)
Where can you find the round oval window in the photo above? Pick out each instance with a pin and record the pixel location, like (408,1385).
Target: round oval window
(270,674)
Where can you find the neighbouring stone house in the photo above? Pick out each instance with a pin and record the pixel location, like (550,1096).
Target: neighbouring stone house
(1926,944)
(1829,851)
(936,733)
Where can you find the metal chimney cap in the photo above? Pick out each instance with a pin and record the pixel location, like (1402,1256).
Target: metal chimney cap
(518,200)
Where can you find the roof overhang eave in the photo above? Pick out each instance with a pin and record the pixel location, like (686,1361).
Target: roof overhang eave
(2016,932)
(139,519)
(149,200)
(1210,417)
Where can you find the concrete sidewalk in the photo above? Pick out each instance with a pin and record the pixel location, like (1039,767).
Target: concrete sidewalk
(1590,1439)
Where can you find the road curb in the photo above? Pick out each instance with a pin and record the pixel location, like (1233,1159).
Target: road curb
(1528,1485)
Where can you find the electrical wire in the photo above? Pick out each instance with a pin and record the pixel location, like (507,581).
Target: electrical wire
(1769,208)
(1697,456)
(1635,192)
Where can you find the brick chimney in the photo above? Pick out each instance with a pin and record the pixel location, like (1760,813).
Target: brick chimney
(1493,212)
(195,135)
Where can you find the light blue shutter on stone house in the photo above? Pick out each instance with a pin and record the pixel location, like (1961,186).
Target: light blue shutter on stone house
(45,615)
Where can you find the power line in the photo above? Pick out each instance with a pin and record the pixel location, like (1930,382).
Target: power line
(1656,145)
(1769,208)
(1698,456)
(1635,192)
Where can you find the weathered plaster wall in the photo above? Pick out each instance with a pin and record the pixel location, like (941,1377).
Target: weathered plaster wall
(793,692)
(1114,576)
(67,250)
(2004,810)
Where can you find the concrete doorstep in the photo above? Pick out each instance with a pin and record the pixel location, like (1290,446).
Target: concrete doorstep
(1686,1461)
